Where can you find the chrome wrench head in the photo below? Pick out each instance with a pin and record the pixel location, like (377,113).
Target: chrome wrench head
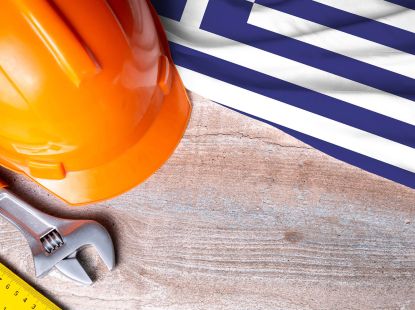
(75,235)
(54,242)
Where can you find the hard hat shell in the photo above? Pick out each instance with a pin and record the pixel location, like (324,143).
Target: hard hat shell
(90,103)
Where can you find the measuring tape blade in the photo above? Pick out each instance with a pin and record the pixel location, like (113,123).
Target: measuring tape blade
(16,294)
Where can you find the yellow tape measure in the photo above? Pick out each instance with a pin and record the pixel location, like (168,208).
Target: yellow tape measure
(16,294)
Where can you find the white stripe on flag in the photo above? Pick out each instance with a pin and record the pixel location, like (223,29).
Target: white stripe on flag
(294,72)
(333,40)
(193,12)
(383,11)
(300,120)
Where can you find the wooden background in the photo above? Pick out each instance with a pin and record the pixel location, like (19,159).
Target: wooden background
(242,216)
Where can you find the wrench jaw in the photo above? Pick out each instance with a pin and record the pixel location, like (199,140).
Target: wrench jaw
(76,234)
(73,269)
(94,234)
(54,241)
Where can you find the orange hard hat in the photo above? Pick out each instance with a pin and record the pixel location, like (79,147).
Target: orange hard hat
(90,102)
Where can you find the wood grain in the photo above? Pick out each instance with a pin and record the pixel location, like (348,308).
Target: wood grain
(241,217)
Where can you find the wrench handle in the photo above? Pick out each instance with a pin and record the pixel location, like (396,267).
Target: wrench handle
(27,219)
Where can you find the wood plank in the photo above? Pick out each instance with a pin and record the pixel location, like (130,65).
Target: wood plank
(242,216)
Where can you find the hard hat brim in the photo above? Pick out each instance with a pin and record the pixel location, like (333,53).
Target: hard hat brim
(137,163)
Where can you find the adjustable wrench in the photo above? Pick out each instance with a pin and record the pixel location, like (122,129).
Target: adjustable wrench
(54,242)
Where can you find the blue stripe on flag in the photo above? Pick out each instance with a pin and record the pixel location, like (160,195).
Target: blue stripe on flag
(347,22)
(228,19)
(171,9)
(364,162)
(294,95)
(410,4)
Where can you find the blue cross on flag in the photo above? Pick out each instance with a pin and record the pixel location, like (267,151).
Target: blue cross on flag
(336,74)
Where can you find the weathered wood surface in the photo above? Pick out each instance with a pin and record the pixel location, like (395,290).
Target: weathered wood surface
(241,217)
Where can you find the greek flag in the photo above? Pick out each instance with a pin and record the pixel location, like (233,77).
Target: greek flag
(336,74)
